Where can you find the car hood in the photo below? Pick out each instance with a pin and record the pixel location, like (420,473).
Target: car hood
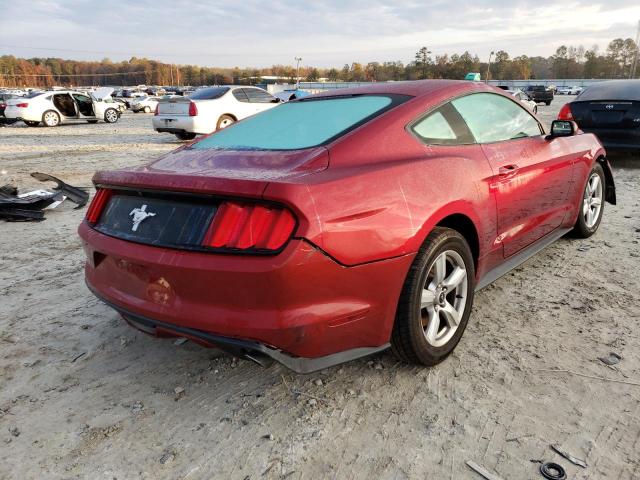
(101,93)
(220,171)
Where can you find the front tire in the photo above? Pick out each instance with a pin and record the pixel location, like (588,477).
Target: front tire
(147,109)
(436,299)
(185,135)
(51,118)
(592,204)
(111,115)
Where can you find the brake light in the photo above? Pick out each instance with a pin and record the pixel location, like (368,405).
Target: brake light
(193,109)
(249,226)
(22,105)
(565,112)
(98,203)
(156,112)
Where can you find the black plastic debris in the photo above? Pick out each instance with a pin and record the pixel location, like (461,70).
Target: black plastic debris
(16,207)
(611,359)
(74,194)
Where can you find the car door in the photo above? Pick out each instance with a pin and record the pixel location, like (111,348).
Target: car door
(242,107)
(66,105)
(84,105)
(531,175)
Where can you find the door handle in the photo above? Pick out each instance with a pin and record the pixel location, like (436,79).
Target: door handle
(508,170)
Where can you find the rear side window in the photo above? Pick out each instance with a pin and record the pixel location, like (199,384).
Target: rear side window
(302,123)
(257,95)
(494,118)
(239,95)
(443,126)
(209,93)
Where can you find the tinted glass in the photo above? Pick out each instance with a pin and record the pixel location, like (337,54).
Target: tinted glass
(240,95)
(301,124)
(256,95)
(434,128)
(612,90)
(493,118)
(209,93)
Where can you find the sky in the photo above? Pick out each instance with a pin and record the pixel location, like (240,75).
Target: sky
(251,33)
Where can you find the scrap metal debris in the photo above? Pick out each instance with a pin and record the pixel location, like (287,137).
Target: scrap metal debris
(611,359)
(568,456)
(29,206)
(482,471)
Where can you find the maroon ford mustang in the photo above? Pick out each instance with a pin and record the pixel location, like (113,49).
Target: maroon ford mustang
(333,226)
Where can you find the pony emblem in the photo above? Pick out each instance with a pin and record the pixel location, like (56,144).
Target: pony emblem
(139,215)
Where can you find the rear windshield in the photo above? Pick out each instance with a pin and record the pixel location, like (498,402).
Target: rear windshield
(612,90)
(209,93)
(301,124)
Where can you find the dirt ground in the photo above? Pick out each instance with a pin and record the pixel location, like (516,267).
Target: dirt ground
(82,395)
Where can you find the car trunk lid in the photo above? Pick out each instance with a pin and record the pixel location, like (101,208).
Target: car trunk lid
(614,114)
(174,106)
(219,172)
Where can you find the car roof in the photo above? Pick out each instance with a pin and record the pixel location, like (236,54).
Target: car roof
(414,88)
(612,90)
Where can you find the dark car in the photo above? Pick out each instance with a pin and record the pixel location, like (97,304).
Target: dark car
(3,104)
(611,110)
(539,94)
(339,224)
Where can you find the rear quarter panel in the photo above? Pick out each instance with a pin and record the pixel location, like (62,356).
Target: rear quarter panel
(385,190)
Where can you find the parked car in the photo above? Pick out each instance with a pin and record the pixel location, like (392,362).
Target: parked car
(539,94)
(145,104)
(3,104)
(210,109)
(569,90)
(611,110)
(54,108)
(120,104)
(336,225)
(288,95)
(524,98)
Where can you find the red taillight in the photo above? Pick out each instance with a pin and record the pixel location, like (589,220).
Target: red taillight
(157,110)
(249,226)
(565,112)
(22,105)
(193,109)
(97,205)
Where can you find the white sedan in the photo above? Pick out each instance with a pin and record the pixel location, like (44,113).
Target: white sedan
(210,109)
(63,106)
(525,99)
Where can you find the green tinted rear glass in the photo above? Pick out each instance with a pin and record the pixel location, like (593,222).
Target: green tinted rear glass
(301,124)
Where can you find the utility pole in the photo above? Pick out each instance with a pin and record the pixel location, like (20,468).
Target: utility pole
(486,80)
(635,59)
(298,60)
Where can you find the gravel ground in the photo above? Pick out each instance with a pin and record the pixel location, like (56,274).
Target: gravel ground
(82,395)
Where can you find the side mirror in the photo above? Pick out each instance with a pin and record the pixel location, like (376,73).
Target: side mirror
(562,128)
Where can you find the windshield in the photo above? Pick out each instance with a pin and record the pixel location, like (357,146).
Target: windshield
(301,124)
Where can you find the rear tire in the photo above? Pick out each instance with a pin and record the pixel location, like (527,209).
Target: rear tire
(436,299)
(224,121)
(50,118)
(547,103)
(31,123)
(591,206)
(185,135)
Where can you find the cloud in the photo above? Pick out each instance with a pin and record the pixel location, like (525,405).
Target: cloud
(324,33)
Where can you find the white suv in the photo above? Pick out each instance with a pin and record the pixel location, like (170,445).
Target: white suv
(210,109)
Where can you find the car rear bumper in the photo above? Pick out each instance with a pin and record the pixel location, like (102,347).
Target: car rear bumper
(182,124)
(617,139)
(300,303)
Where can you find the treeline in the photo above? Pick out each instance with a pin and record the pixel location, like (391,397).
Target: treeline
(617,61)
